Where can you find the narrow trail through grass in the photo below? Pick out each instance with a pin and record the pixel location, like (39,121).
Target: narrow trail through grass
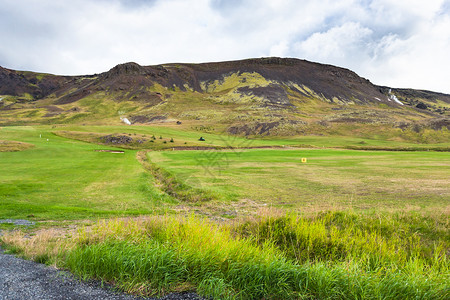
(170,185)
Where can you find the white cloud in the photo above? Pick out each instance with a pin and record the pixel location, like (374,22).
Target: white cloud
(420,60)
(279,49)
(337,43)
(390,42)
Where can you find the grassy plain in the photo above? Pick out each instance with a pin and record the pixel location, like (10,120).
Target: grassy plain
(346,224)
(331,179)
(62,179)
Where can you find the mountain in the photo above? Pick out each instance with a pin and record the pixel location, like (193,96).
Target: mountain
(276,96)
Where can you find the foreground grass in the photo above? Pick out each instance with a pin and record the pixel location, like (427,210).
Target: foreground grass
(328,256)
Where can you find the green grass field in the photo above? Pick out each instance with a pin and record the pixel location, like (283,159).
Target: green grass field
(329,180)
(66,179)
(345,224)
(61,178)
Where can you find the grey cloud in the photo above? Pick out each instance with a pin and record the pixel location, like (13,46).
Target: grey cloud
(136,4)
(226,5)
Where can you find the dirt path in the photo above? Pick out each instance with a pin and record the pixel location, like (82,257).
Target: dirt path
(23,279)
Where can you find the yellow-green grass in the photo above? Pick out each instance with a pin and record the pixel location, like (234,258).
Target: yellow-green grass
(328,256)
(330,179)
(67,179)
(94,109)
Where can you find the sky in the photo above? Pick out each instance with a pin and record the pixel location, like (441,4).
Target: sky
(397,43)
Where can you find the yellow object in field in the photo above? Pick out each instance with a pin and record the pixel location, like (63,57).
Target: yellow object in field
(303,160)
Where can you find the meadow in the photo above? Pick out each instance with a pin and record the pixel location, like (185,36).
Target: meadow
(241,218)
(330,179)
(61,179)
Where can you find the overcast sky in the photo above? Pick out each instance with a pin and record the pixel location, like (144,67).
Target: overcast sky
(399,43)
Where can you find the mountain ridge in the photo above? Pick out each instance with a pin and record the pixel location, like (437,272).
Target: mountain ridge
(297,91)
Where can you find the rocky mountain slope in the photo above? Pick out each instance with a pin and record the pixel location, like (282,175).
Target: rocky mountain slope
(276,96)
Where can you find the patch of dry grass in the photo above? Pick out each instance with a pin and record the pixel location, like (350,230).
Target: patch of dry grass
(44,245)
(14,146)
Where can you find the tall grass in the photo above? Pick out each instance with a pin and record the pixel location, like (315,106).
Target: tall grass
(376,241)
(287,257)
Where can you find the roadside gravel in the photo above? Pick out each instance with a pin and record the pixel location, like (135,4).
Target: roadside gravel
(23,279)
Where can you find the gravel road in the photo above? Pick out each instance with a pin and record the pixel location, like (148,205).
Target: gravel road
(23,279)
